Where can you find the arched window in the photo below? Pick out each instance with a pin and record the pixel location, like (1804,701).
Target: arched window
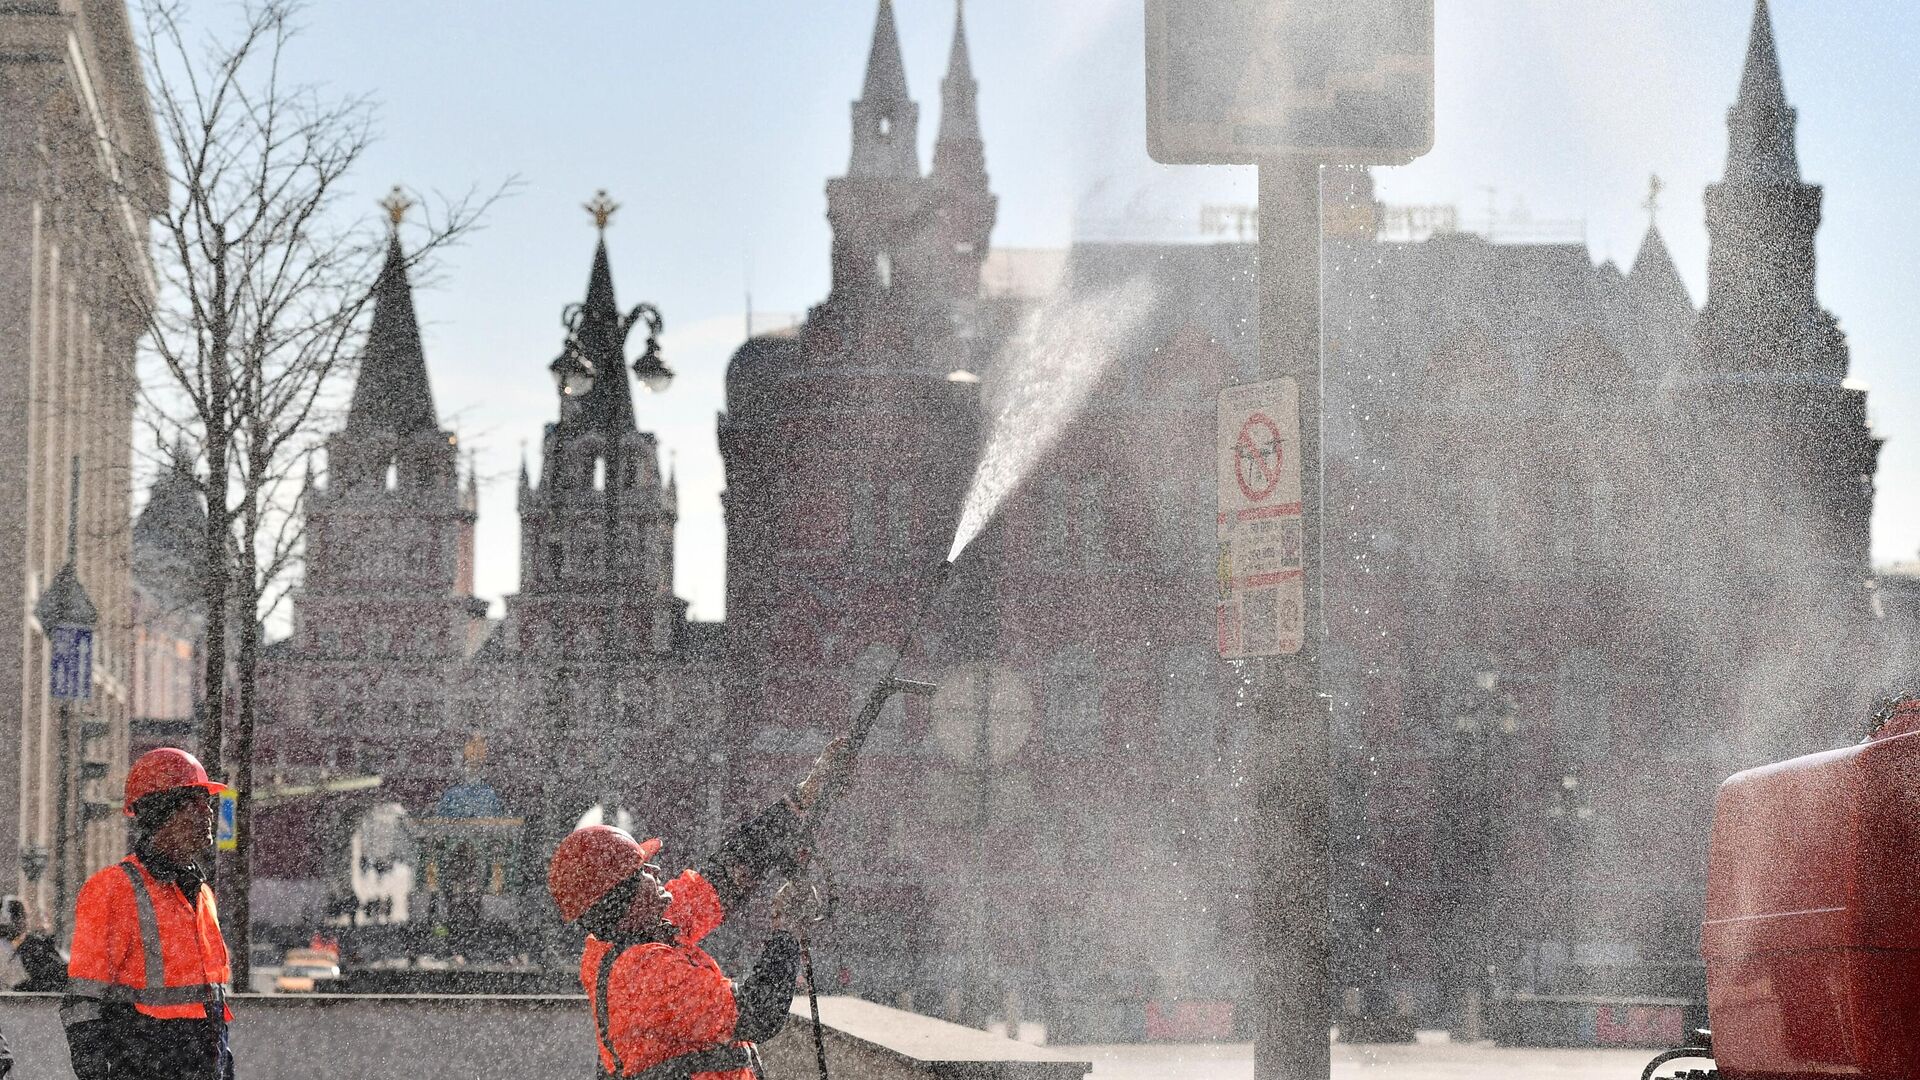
(885,126)
(599,473)
(392,479)
(883,269)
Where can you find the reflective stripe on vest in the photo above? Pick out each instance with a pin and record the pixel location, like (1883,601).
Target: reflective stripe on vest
(602,1012)
(157,994)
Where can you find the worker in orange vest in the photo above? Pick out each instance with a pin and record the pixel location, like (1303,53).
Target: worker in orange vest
(661,1006)
(148,982)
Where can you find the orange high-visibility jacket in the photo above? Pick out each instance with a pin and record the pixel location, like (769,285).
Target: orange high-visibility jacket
(665,1000)
(144,941)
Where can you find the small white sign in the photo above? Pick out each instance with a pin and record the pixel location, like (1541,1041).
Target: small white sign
(1262,604)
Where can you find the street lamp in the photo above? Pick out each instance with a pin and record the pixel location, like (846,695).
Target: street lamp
(33,862)
(572,374)
(594,351)
(68,617)
(1487,716)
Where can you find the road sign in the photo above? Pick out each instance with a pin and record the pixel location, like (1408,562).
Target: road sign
(1340,82)
(1262,605)
(226,832)
(70,667)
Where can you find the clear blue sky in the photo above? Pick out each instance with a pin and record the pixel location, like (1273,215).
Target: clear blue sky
(717,123)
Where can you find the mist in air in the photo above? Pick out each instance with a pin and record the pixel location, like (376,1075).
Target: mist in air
(1603,455)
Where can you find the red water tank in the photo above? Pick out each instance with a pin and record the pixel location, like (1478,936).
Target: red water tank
(1812,935)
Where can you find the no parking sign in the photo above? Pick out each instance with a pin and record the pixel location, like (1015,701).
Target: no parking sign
(1262,609)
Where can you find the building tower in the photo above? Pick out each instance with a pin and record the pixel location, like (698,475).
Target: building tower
(593,636)
(390,534)
(383,621)
(1766,345)
(596,533)
(847,443)
(169,617)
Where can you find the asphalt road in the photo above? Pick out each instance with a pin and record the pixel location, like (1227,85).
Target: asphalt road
(1436,1061)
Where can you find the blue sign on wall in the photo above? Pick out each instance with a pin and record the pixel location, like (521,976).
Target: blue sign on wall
(226,832)
(70,671)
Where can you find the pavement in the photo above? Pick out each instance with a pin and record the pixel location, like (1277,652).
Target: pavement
(1423,1061)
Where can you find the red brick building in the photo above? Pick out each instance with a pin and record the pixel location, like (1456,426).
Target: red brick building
(1594,549)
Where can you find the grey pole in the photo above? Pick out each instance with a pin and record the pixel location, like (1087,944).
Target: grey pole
(1291,749)
(63,792)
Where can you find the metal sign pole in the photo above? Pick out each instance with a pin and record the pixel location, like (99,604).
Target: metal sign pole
(1292,907)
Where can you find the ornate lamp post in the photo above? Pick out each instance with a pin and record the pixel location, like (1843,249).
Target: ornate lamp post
(582,364)
(573,370)
(1486,720)
(33,861)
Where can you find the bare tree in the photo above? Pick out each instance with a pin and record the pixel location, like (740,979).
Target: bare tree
(262,281)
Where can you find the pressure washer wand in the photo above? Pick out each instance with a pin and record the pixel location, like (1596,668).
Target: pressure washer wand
(889,685)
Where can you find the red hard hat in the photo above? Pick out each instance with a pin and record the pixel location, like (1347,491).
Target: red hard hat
(163,770)
(590,862)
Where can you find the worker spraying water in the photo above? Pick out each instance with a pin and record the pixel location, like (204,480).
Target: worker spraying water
(662,1007)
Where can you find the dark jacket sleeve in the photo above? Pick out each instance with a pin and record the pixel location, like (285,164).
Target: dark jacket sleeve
(770,842)
(764,997)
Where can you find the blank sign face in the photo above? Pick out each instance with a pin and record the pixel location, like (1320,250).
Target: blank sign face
(1236,81)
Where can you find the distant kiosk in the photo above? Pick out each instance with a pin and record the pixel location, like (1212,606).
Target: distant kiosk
(469,847)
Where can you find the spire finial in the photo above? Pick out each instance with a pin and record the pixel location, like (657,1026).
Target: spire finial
(1652,206)
(396,204)
(602,208)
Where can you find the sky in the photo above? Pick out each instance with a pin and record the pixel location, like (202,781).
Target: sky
(716,125)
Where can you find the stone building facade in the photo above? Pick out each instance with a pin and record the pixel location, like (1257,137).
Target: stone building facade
(77,185)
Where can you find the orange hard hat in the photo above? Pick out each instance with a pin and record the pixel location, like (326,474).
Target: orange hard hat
(163,770)
(590,863)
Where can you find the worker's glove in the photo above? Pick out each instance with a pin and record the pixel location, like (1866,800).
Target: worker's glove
(782,913)
(797,906)
(827,770)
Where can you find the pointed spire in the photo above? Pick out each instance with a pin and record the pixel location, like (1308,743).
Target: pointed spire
(609,404)
(1654,278)
(392,393)
(886,71)
(1760,82)
(526,480)
(1762,146)
(886,122)
(959,153)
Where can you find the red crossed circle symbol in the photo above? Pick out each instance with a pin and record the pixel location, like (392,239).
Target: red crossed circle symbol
(1257,456)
